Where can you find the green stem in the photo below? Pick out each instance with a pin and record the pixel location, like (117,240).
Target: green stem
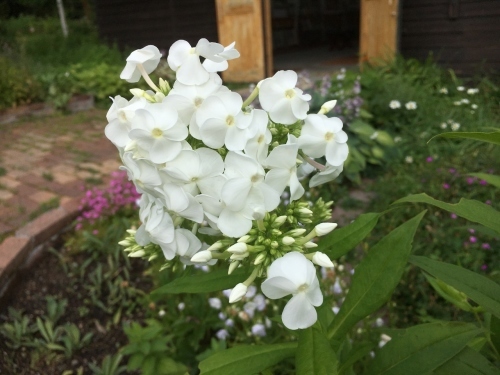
(487,334)
(147,79)
(251,98)
(252,277)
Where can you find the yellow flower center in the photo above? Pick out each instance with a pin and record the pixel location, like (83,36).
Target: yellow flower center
(329,136)
(157,133)
(230,120)
(289,93)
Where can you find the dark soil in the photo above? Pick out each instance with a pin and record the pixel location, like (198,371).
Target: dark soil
(47,278)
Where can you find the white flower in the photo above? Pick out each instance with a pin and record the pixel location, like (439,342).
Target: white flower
(411,106)
(185,60)
(201,257)
(472,91)
(229,53)
(283,170)
(324,228)
(443,90)
(294,274)
(397,139)
(222,334)
(473,106)
(285,103)
(323,136)
(409,159)
(330,173)
(465,101)
(119,116)
(259,330)
(455,126)
(321,259)
(143,174)
(457,102)
(221,121)
(394,104)
(148,57)
(460,88)
(443,125)
(157,130)
(181,306)
(258,146)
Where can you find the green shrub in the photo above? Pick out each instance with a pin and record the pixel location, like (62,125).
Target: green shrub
(17,85)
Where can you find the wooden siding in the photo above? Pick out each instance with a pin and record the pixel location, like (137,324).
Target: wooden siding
(135,24)
(461,34)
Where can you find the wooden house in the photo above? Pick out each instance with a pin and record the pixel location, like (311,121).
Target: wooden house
(461,34)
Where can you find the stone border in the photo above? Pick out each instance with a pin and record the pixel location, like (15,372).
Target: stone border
(20,251)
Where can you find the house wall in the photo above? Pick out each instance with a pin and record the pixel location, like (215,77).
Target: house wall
(135,24)
(462,34)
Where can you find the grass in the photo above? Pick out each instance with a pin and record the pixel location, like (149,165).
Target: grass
(45,207)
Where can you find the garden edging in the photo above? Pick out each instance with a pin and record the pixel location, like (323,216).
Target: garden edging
(20,251)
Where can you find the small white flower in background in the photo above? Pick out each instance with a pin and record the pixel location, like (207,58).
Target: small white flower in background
(222,316)
(409,159)
(465,101)
(379,322)
(443,90)
(294,274)
(229,323)
(457,102)
(335,310)
(394,104)
(259,330)
(384,339)
(285,103)
(473,106)
(472,91)
(460,88)
(443,125)
(215,303)
(222,334)
(455,126)
(161,313)
(181,306)
(147,57)
(397,139)
(411,106)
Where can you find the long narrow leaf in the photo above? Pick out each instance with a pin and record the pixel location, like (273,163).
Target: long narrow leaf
(341,240)
(203,282)
(246,359)
(472,210)
(469,362)
(480,289)
(422,349)
(493,137)
(314,354)
(375,278)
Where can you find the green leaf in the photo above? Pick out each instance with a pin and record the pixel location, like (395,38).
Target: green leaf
(472,210)
(467,362)
(246,359)
(341,240)
(314,354)
(495,332)
(480,289)
(203,282)
(355,355)
(375,278)
(477,136)
(449,293)
(489,178)
(422,349)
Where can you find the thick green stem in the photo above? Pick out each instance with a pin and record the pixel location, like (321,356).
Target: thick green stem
(252,277)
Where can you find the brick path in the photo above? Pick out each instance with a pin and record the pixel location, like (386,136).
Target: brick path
(47,161)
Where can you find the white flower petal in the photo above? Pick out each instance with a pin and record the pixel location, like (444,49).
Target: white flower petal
(299,313)
(336,153)
(233,224)
(278,287)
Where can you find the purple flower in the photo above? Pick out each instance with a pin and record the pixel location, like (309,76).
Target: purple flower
(470,180)
(472,239)
(259,330)
(488,202)
(483,182)
(472,231)
(453,216)
(222,334)
(446,186)
(429,159)
(452,170)
(486,246)
(484,267)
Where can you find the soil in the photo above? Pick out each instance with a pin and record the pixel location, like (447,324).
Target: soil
(48,278)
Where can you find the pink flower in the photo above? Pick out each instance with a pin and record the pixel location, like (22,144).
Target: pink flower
(484,267)
(486,246)
(446,186)
(429,159)
(472,239)
(452,170)
(483,182)
(470,180)
(453,216)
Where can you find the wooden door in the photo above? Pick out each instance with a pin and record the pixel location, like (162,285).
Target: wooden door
(379,30)
(248,23)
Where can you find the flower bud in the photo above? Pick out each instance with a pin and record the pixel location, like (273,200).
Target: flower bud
(321,259)
(241,256)
(327,107)
(297,232)
(258,213)
(324,228)
(305,211)
(280,220)
(238,293)
(158,97)
(260,258)
(232,267)
(138,92)
(238,248)
(201,257)
(245,239)
(124,243)
(287,240)
(310,245)
(137,254)
(216,246)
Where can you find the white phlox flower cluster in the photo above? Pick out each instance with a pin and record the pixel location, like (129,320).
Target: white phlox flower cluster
(207,163)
